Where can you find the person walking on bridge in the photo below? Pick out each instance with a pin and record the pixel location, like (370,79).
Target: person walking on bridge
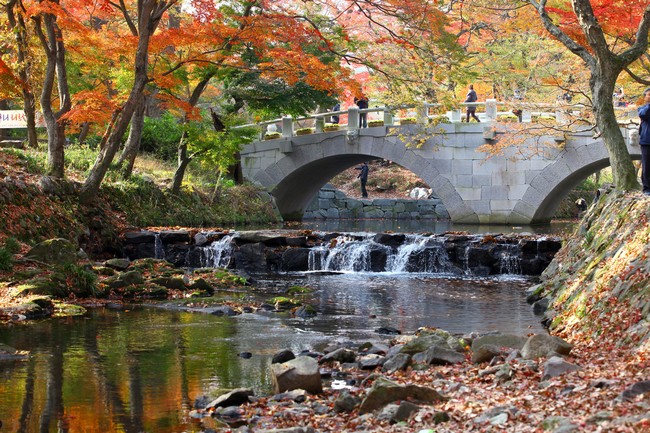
(363,177)
(644,141)
(471,109)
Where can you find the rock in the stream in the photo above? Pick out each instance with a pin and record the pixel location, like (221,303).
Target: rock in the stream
(233,398)
(299,373)
(384,392)
(283,356)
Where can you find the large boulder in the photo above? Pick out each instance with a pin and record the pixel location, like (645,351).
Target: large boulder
(437,355)
(499,340)
(541,345)
(236,397)
(421,344)
(299,373)
(54,251)
(557,366)
(384,392)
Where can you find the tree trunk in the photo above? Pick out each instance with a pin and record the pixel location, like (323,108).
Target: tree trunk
(83,134)
(183,162)
(132,146)
(17,24)
(602,87)
(149,14)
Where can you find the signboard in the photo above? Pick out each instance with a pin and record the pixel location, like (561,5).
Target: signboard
(17,119)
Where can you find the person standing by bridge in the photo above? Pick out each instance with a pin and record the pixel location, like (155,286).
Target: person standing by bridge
(471,109)
(644,141)
(363,177)
(362,103)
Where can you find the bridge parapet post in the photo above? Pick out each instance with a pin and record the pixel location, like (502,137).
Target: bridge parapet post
(353,118)
(526,116)
(560,117)
(319,124)
(456,115)
(491,109)
(388,117)
(287,126)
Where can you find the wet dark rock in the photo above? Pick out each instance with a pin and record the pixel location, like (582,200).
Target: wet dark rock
(295,259)
(233,398)
(224,310)
(340,355)
(387,330)
(283,356)
(540,306)
(391,240)
(268,238)
(245,355)
(140,237)
(305,311)
(174,236)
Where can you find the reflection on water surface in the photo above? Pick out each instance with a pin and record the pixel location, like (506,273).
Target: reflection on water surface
(140,369)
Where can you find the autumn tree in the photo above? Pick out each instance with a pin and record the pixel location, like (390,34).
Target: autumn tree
(586,31)
(15,13)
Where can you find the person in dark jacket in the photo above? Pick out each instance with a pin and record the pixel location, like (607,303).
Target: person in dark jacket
(335,118)
(363,177)
(362,103)
(471,97)
(644,141)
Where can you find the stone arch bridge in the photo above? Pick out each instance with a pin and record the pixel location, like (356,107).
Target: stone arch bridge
(504,189)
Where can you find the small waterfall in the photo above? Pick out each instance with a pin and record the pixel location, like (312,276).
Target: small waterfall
(159,248)
(346,254)
(218,253)
(465,260)
(509,260)
(422,254)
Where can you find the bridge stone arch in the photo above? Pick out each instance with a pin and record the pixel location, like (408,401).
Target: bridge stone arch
(296,177)
(548,188)
(502,189)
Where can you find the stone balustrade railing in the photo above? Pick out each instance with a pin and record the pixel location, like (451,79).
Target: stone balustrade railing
(422,114)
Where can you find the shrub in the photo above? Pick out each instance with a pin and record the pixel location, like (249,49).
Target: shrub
(6,259)
(375,123)
(79,280)
(161,135)
(272,135)
(12,245)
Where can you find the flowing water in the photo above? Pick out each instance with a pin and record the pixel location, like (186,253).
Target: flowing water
(139,370)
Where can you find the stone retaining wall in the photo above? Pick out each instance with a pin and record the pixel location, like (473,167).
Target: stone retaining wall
(334,204)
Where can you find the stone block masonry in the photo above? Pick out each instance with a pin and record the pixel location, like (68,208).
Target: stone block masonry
(331,203)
